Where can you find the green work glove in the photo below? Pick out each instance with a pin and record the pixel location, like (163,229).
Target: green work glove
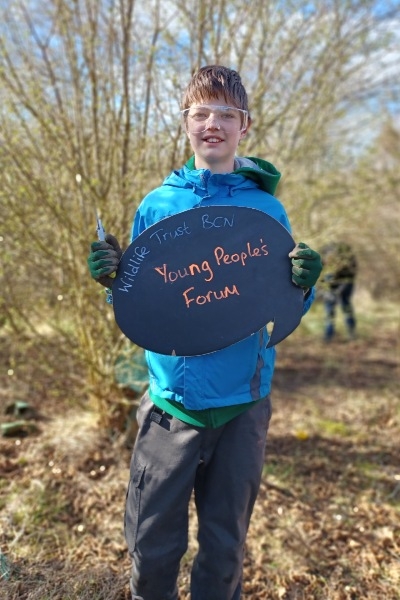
(306,265)
(103,260)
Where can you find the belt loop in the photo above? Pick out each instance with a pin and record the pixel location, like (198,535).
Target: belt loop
(156,415)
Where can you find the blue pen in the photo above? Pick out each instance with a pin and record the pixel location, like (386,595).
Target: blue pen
(101,234)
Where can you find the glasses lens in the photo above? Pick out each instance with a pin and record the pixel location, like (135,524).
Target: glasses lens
(203,117)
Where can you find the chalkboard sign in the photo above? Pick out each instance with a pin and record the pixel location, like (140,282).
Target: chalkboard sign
(206,278)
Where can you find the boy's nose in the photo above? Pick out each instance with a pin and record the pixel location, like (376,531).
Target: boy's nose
(212,123)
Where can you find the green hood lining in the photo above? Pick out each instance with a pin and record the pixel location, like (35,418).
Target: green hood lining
(264,173)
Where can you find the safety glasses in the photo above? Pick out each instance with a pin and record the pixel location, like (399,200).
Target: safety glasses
(203,117)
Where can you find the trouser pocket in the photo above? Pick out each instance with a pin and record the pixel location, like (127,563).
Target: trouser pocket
(132,505)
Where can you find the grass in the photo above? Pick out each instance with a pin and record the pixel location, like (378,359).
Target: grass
(326,522)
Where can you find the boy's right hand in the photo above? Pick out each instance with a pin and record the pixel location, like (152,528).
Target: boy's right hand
(103,260)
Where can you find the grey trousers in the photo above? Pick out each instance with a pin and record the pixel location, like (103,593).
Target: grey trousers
(223,466)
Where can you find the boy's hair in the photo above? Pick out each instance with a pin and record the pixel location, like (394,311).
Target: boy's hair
(214,81)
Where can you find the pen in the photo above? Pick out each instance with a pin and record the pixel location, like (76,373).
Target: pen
(101,234)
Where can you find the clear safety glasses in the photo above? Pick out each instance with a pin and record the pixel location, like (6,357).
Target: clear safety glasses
(207,116)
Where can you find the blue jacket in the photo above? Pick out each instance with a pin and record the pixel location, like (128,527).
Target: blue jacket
(242,372)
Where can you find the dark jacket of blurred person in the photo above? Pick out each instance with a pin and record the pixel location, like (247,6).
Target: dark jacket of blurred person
(337,286)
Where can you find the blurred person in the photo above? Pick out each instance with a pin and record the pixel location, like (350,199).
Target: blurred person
(337,285)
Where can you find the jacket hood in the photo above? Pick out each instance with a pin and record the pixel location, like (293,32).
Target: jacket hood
(261,171)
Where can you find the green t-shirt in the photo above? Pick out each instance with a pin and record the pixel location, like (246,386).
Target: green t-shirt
(209,417)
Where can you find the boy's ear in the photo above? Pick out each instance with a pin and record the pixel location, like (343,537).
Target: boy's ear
(245,132)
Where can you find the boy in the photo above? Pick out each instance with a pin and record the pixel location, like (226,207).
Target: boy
(203,422)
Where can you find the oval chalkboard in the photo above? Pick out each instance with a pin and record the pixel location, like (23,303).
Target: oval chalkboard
(206,278)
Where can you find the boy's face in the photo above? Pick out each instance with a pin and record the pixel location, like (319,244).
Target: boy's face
(214,132)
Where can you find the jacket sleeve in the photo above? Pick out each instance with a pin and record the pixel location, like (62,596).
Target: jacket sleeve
(309,298)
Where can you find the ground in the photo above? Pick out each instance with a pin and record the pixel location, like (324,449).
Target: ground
(326,523)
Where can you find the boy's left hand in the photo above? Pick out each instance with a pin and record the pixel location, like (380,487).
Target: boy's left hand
(306,265)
